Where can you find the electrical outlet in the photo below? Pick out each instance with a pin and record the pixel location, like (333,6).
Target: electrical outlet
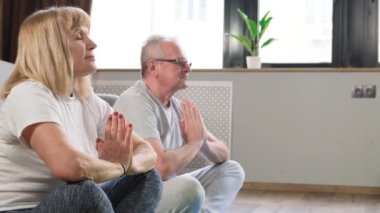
(369,91)
(357,91)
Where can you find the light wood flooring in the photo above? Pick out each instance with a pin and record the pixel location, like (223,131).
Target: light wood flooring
(254,201)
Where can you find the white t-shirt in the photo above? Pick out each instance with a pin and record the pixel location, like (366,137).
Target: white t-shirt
(149,117)
(24,177)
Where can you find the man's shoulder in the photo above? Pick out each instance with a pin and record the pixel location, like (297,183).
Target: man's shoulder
(135,92)
(135,96)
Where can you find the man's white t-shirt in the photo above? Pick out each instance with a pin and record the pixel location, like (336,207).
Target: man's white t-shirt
(24,177)
(149,117)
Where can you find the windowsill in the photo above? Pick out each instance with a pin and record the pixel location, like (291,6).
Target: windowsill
(297,69)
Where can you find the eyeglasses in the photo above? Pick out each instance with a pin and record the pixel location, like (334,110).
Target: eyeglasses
(179,61)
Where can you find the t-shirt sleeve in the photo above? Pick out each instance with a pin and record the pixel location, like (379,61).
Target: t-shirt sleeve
(140,113)
(30,103)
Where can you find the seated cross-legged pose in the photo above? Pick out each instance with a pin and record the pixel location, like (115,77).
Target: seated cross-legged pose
(176,131)
(62,148)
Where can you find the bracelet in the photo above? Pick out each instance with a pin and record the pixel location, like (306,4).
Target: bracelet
(123,169)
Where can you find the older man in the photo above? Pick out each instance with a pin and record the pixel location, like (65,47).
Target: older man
(176,131)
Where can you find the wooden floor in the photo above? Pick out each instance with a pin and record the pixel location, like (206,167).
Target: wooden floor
(254,201)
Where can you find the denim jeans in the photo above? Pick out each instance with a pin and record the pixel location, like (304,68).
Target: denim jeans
(137,193)
(209,189)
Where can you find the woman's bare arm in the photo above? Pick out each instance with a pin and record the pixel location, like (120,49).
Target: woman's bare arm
(64,162)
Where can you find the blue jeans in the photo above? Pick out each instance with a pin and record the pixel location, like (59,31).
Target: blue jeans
(137,193)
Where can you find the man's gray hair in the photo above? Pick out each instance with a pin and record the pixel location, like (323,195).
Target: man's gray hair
(152,49)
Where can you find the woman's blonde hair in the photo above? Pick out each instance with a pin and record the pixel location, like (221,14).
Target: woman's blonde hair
(43,51)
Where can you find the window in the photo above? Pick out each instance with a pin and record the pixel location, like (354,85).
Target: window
(309,33)
(120,27)
(303,31)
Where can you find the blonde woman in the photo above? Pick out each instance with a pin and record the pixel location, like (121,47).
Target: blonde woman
(62,148)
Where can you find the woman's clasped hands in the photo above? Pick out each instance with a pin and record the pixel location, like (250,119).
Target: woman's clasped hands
(117,145)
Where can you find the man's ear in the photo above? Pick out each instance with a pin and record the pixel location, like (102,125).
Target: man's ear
(152,68)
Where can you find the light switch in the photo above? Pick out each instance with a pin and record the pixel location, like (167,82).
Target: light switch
(369,91)
(357,91)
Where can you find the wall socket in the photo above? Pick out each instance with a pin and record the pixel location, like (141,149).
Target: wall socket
(363,91)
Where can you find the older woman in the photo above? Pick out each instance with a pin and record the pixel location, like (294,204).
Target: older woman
(58,140)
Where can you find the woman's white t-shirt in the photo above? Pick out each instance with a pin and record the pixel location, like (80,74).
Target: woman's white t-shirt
(24,177)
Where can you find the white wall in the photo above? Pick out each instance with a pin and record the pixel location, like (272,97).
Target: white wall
(300,127)
(5,69)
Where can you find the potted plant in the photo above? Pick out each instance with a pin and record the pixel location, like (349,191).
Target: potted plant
(252,42)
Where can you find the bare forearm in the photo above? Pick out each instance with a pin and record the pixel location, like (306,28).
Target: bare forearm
(65,162)
(143,159)
(100,170)
(169,161)
(76,166)
(177,159)
(214,149)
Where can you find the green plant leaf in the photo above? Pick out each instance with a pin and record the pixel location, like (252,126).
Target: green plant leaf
(256,30)
(251,24)
(264,23)
(267,42)
(243,40)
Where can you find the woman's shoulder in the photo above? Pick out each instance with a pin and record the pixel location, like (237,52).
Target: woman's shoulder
(29,93)
(30,87)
